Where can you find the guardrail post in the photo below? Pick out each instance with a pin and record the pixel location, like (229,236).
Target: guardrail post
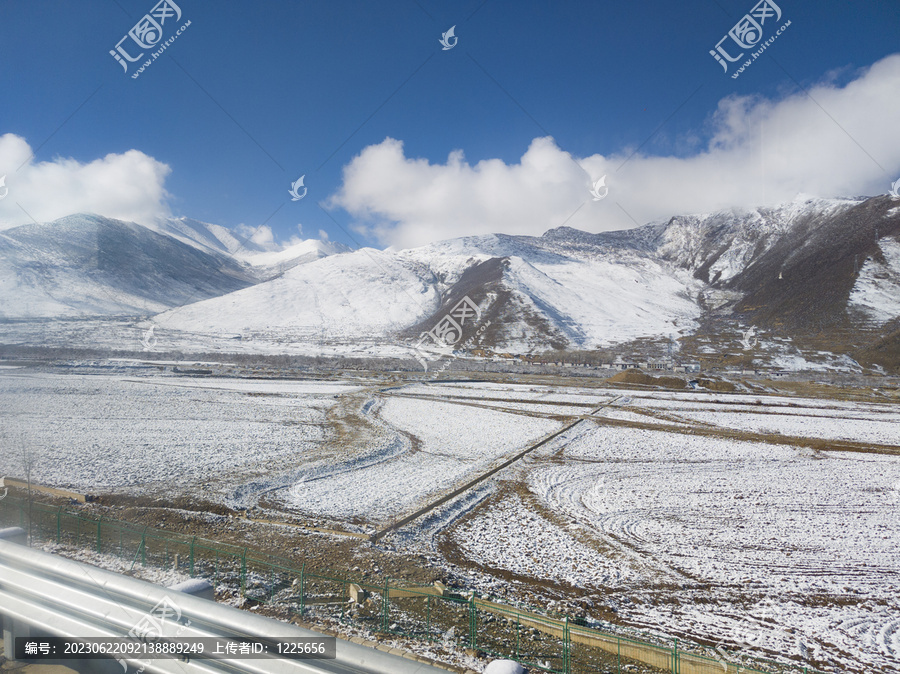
(193,540)
(99,531)
(58,524)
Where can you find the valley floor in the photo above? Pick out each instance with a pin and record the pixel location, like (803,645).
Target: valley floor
(758,524)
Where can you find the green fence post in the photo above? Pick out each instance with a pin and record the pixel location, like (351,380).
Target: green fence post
(472,621)
(99,530)
(302,588)
(618,654)
(566,645)
(518,629)
(385,600)
(244,572)
(139,550)
(193,540)
(58,524)
(675,660)
(428,618)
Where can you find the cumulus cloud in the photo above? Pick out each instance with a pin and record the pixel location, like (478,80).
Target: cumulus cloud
(261,235)
(128,186)
(836,141)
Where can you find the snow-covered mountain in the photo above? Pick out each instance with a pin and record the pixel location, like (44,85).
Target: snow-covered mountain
(267,264)
(822,270)
(571,289)
(363,294)
(87,266)
(205,236)
(260,262)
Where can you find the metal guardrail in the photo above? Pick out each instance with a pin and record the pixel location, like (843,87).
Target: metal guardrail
(45,595)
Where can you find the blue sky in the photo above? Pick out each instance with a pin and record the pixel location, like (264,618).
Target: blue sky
(253,95)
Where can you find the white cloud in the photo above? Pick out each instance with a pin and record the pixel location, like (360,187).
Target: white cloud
(838,141)
(261,235)
(128,186)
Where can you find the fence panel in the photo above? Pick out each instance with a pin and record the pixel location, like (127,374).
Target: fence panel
(447,620)
(326,597)
(426,614)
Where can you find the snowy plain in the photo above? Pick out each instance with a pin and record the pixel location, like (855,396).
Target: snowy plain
(688,534)
(452,443)
(163,435)
(778,550)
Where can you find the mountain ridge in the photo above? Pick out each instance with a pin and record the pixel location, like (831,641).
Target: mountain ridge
(824,272)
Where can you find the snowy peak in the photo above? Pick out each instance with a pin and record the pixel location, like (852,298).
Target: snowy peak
(203,235)
(362,295)
(824,271)
(272,263)
(88,265)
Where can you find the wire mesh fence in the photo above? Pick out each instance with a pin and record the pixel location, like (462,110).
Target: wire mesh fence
(430,614)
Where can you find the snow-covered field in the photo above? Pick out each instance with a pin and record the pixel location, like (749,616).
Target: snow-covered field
(777,549)
(692,534)
(450,443)
(880,431)
(167,435)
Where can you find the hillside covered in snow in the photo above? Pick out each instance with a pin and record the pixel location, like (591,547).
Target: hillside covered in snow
(824,270)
